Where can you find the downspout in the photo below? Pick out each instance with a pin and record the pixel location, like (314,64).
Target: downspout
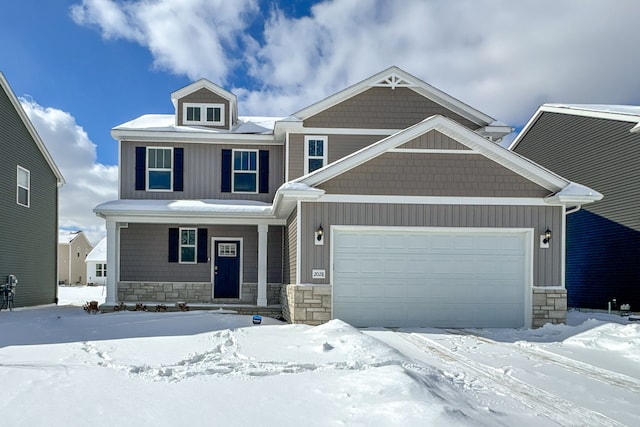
(567,211)
(572,210)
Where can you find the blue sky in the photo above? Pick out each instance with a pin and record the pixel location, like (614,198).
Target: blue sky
(85,66)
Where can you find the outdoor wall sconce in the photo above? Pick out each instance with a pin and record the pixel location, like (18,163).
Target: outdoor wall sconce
(319,235)
(547,236)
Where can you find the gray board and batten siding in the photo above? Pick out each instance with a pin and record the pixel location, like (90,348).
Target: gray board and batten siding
(204,96)
(28,247)
(547,268)
(144,254)
(383,108)
(603,238)
(202,172)
(290,247)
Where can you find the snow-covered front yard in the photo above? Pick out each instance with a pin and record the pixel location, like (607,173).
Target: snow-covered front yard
(63,367)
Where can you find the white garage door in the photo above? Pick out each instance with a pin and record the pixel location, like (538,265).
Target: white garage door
(452,278)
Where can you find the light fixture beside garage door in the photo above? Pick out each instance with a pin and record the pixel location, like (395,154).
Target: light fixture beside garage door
(544,239)
(319,235)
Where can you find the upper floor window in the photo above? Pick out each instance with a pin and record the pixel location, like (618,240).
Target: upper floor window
(159,168)
(203,114)
(245,171)
(315,153)
(23,196)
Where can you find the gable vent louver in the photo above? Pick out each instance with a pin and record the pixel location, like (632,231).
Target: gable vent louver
(393,81)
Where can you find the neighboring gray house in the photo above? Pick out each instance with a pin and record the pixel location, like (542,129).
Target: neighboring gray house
(386,204)
(29,182)
(97,264)
(73,248)
(599,146)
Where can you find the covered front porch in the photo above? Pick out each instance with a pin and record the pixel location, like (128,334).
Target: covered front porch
(203,254)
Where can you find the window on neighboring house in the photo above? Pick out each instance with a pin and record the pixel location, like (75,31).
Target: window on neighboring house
(188,244)
(245,171)
(203,114)
(159,168)
(101,270)
(23,187)
(315,153)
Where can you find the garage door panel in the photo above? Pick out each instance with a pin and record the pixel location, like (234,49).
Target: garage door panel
(426,278)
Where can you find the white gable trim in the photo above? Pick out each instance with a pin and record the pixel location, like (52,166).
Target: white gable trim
(461,134)
(395,77)
(202,84)
(32,130)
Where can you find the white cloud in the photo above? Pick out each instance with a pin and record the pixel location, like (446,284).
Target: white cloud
(190,37)
(504,58)
(88,183)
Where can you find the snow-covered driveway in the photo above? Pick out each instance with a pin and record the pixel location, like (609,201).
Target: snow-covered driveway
(559,381)
(62,367)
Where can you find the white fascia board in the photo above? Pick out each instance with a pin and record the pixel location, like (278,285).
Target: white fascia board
(193,137)
(60,181)
(576,110)
(287,198)
(190,220)
(434,200)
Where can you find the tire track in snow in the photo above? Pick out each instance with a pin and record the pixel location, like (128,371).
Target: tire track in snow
(551,406)
(580,368)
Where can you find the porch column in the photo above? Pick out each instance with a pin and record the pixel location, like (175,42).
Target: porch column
(262,265)
(112,262)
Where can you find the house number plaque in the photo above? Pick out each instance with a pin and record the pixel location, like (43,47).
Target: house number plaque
(317,274)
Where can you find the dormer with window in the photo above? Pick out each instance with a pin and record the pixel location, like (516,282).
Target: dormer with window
(205,104)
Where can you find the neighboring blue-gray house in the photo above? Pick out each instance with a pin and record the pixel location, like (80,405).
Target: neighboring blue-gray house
(388,203)
(599,146)
(29,182)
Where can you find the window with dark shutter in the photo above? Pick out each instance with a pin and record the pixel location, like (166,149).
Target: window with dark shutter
(225,186)
(264,171)
(141,153)
(174,244)
(178,169)
(202,245)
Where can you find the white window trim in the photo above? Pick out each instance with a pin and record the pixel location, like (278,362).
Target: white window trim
(203,114)
(233,171)
(325,147)
(101,270)
(148,169)
(18,186)
(195,245)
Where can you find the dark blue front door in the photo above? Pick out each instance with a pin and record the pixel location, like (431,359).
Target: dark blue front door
(226,269)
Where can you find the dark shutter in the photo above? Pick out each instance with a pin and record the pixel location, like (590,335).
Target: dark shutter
(225,185)
(174,247)
(141,155)
(202,245)
(264,171)
(178,169)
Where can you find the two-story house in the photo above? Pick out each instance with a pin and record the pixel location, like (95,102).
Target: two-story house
(73,248)
(29,182)
(388,203)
